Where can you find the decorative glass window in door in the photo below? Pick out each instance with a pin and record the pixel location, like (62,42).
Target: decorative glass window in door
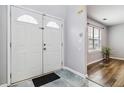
(27,19)
(52,25)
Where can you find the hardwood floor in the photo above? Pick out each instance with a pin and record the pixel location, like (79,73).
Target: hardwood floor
(110,75)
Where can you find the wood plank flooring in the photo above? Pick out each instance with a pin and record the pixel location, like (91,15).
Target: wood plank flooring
(111,75)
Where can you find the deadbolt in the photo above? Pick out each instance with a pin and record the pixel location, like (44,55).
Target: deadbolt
(44,44)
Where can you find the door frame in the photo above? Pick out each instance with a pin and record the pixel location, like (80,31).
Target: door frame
(9,37)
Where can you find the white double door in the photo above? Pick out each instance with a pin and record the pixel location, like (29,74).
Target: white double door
(35,44)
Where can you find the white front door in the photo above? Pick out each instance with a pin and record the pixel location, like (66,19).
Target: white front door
(26,49)
(52,36)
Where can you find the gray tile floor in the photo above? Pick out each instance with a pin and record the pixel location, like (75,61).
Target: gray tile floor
(68,79)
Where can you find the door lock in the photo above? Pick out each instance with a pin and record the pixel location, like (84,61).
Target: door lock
(44,44)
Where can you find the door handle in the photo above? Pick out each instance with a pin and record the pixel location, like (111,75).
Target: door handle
(41,28)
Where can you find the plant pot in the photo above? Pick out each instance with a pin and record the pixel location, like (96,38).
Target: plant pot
(106,58)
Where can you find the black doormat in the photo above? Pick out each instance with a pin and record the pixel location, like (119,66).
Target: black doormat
(45,79)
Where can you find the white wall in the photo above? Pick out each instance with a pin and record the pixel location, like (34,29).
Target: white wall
(116,40)
(3,43)
(75,44)
(97,55)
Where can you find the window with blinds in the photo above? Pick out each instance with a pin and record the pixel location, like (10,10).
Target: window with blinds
(94,38)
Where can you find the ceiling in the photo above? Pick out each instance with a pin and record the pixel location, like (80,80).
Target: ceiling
(113,13)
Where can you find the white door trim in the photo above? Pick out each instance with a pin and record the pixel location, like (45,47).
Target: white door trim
(8,45)
(38,12)
(9,37)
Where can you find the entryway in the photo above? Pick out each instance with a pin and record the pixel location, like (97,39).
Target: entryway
(36,44)
(67,79)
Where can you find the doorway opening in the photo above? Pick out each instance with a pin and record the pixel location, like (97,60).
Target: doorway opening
(105,48)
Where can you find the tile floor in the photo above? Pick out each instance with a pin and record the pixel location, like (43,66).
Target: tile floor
(67,79)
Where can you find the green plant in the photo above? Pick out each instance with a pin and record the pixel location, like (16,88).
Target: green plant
(106,50)
(106,53)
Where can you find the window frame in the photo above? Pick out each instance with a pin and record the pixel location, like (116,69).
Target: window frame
(93,39)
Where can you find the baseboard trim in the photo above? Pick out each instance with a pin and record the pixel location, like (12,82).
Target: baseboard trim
(4,85)
(95,61)
(75,72)
(117,58)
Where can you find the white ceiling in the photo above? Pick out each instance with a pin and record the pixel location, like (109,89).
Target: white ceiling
(113,13)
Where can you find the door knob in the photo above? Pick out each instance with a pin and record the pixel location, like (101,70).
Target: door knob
(44,48)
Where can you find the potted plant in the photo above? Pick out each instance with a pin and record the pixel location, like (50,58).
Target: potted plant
(106,54)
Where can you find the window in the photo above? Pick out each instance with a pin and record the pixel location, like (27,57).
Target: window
(52,25)
(94,38)
(27,19)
